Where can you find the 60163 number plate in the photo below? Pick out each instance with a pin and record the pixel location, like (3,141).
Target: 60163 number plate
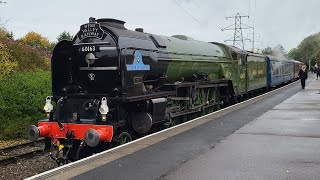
(90,48)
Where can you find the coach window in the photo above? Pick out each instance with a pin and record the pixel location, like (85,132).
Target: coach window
(285,68)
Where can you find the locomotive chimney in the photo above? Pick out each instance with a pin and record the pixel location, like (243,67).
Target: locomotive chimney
(139,30)
(92,20)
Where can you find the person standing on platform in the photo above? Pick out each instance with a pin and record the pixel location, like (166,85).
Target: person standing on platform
(318,72)
(303,75)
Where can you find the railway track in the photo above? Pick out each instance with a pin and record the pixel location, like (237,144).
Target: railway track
(11,154)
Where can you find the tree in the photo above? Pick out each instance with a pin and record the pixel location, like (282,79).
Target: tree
(294,54)
(267,51)
(35,39)
(65,36)
(308,49)
(4,33)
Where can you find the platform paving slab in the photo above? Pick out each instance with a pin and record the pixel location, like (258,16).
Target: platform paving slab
(283,143)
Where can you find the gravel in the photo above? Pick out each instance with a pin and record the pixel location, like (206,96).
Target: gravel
(6,143)
(27,167)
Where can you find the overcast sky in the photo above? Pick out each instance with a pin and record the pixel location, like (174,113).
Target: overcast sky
(284,22)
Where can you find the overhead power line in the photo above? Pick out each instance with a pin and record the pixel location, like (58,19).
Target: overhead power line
(186,12)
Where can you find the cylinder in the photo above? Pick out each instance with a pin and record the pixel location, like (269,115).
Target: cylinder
(141,122)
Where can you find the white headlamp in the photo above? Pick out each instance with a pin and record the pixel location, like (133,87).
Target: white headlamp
(48,107)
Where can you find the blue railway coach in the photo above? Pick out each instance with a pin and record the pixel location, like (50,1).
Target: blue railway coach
(279,71)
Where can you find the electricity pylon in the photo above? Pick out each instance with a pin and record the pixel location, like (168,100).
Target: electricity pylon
(237,27)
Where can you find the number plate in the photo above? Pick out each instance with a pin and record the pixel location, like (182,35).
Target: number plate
(90,48)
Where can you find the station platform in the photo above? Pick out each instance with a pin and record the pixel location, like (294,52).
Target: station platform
(283,143)
(273,136)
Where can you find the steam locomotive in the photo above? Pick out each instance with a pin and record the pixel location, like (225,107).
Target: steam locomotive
(111,85)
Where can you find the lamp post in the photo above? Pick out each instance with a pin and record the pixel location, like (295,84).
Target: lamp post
(309,64)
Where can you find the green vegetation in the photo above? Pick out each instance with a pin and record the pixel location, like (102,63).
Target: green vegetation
(21,101)
(25,81)
(28,57)
(5,34)
(36,40)
(7,65)
(308,49)
(64,36)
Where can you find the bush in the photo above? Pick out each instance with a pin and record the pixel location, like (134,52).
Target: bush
(21,55)
(7,66)
(22,100)
(28,58)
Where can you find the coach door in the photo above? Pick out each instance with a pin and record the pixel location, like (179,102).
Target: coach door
(243,75)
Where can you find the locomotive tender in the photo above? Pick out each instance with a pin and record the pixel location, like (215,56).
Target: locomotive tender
(111,85)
